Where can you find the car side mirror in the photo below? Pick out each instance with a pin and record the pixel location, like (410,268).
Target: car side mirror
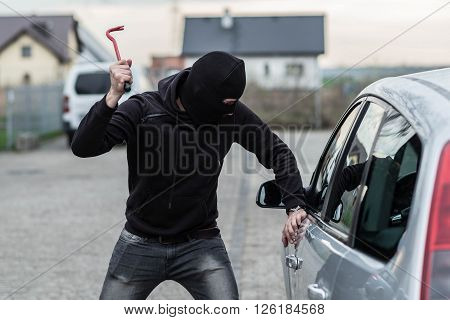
(338,212)
(269,196)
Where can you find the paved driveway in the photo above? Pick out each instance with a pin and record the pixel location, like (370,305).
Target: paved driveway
(61,211)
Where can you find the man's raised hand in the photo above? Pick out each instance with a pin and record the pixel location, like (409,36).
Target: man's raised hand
(119,73)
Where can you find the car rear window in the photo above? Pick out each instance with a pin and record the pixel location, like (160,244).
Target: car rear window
(92,83)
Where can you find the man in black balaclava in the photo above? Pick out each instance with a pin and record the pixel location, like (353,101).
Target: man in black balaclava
(177,138)
(213,86)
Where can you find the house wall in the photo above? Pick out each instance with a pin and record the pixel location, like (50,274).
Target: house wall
(272,72)
(42,66)
(73,54)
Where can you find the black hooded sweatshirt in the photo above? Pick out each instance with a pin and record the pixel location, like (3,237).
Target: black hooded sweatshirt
(174,163)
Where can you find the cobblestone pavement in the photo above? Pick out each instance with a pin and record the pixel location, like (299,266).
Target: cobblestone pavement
(64,212)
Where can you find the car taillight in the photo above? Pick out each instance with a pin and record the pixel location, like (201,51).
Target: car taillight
(436,268)
(65,104)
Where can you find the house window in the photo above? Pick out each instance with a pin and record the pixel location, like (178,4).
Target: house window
(294,69)
(26,51)
(266,69)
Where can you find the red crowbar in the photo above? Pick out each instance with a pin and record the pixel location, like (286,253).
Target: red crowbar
(127,85)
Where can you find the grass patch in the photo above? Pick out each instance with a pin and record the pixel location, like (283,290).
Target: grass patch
(50,135)
(2,139)
(2,132)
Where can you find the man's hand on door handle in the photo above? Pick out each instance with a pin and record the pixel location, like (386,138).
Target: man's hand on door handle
(294,228)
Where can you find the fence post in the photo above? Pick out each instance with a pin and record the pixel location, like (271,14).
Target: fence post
(10,99)
(44,109)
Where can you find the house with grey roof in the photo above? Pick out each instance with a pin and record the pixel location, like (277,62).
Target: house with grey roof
(41,49)
(279,51)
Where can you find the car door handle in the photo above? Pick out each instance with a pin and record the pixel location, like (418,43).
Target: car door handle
(294,262)
(316,293)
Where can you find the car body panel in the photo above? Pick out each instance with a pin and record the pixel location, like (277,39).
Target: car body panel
(428,111)
(321,255)
(423,99)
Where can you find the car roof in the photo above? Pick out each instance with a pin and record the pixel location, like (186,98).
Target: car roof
(423,98)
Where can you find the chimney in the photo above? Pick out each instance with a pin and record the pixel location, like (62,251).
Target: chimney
(227,20)
(44,27)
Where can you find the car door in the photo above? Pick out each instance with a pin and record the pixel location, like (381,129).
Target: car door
(369,267)
(303,261)
(320,253)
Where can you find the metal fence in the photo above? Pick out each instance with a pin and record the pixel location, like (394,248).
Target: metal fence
(32,110)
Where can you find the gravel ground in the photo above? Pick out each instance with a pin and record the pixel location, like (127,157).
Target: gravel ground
(61,216)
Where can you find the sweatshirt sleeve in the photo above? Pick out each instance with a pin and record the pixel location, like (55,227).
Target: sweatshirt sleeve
(256,136)
(103,127)
(348,180)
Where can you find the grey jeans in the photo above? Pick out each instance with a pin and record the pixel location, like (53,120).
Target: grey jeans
(139,264)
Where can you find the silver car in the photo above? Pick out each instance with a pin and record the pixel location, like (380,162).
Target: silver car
(379,199)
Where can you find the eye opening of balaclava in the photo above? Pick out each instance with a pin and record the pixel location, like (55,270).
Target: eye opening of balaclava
(213,78)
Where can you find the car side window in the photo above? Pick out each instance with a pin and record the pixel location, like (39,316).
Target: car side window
(390,184)
(329,160)
(343,201)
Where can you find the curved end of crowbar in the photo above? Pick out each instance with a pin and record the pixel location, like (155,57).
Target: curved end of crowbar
(118,28)
(110,37)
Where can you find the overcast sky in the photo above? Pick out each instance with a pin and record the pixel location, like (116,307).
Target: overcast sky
(354,28)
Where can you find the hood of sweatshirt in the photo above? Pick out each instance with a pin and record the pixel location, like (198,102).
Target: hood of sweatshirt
(168,90)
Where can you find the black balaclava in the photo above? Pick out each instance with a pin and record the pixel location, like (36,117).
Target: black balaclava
(214,77)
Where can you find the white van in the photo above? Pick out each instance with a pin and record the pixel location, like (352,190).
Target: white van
(88,83)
